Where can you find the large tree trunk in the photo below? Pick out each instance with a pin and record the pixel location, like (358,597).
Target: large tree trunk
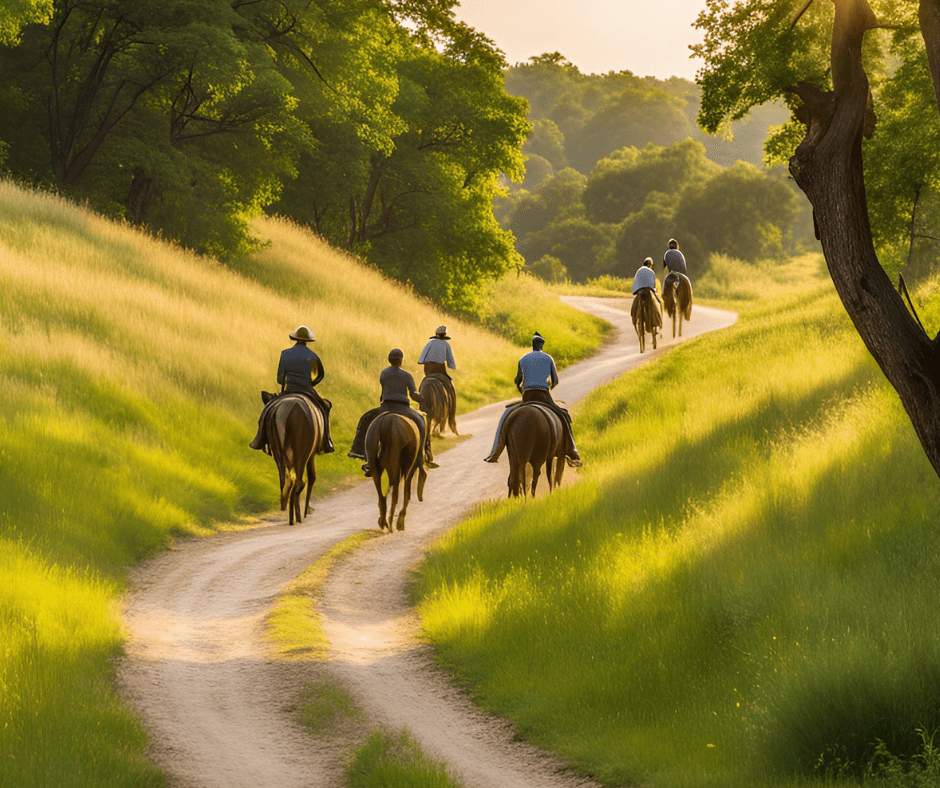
(828,167)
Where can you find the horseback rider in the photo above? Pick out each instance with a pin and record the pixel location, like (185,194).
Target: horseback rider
(295,376)
(397,386)
(645,279)
(673,259)
(535,377)
(437,356)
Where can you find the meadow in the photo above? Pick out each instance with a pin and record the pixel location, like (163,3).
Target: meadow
(741,590)
(131,373)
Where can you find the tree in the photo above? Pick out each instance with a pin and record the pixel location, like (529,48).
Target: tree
(409,162)
(619,184)
(739,212)
(814,57)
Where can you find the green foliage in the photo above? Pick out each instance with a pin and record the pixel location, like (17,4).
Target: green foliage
(620,184)
(739,212)
(756,52)
(549,269)
(580,245)
(15,14)
(385,126)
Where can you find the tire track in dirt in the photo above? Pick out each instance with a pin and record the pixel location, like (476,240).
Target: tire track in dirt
(221,711)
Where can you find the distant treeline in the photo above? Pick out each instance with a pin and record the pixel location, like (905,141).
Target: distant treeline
(615,166)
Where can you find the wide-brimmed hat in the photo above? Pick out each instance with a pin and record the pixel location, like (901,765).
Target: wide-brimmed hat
(303,334)
(441,333)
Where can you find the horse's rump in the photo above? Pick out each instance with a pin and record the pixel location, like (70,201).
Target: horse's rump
(644,306)
(437,402)
(677,294)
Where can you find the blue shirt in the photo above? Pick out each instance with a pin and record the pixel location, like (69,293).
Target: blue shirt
(296,367)
(644,278)
(535,371)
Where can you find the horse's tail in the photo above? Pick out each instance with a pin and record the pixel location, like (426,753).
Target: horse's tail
(669,293)
(685,297)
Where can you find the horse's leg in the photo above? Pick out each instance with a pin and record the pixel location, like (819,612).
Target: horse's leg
(377,481)
(406,496)
(311,478)
(536,472)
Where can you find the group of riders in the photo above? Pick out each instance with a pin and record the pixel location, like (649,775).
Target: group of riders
(300,370)
(645,278)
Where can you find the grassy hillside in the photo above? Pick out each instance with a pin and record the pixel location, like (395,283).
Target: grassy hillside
(130,375)
(742,589)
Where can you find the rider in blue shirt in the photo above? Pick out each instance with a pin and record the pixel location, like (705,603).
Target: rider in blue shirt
(535,377)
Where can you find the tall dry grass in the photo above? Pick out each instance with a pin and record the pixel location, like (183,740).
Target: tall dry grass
(130,374)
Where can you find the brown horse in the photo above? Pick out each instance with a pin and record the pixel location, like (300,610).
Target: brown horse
(535,437)
(677,299)
(646,317)
(393,443)
(294,432)
(438,404)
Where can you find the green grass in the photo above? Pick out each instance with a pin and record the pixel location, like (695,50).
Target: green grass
(293,623)
(740,591)
(130,374)
(395,760)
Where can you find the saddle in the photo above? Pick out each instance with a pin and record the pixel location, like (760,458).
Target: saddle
(499,442)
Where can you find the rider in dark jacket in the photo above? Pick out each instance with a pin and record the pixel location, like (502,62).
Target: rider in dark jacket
(295,374)
(398,389)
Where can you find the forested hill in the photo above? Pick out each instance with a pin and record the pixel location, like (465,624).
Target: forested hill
(579,119)
(616,165)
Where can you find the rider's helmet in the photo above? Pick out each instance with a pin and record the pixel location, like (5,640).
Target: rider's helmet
(673,243)
(303,334)
(396,354)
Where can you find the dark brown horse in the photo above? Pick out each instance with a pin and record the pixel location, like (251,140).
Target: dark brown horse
(677,299)
(535,437)
(393,443)
(294,432)
(647,318)
(438,404)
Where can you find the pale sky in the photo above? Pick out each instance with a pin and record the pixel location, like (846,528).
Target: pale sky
(647,37)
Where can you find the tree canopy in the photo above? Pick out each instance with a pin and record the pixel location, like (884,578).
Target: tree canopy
(863,82)
(383,124)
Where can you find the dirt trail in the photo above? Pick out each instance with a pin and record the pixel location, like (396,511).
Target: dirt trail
(220,710)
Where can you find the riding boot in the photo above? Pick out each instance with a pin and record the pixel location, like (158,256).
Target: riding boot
(258,442)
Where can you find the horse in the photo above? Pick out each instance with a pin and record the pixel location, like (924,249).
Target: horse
(438,404)
(535,437)
(646,317)
(393,443)
(294,429)
(677,298)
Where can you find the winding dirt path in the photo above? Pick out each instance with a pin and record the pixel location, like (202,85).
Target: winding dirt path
(221,712)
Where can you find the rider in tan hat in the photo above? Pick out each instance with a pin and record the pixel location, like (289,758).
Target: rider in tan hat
(295,374)
(437,356)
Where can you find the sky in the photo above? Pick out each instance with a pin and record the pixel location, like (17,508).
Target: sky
(647,37)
